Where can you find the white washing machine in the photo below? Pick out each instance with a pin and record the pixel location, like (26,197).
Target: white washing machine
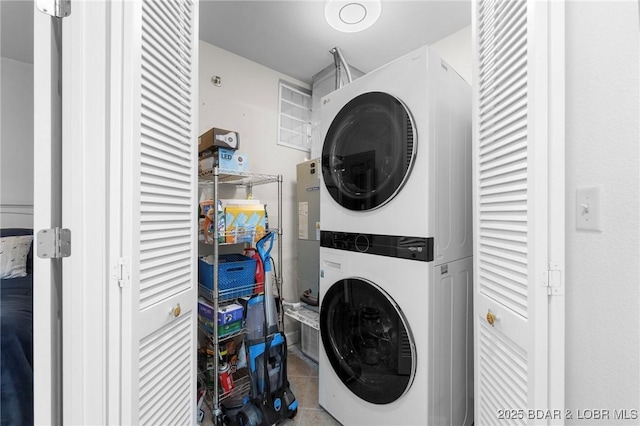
(396,154)
(396,340)
(396,247)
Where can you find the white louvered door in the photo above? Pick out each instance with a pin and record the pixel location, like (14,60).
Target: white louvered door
(159,221)
(512,216)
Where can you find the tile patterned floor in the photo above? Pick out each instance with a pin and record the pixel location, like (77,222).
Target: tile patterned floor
(303,380)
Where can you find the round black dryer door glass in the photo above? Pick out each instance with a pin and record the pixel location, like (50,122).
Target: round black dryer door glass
(368,151)
(367,341)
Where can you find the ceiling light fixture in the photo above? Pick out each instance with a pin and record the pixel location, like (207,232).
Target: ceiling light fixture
(351,16)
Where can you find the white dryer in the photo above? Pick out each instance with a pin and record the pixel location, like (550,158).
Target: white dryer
(396,247)
(396,340)
(396,154)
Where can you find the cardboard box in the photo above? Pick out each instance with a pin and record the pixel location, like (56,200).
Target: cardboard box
(218,137)
(244,223)
(226,314)
(233,160)
(207,162)
(225,159)
(223,329)
(229,313)
(205,310)
(229,328)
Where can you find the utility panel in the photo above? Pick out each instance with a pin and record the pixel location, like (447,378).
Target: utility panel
(308,198)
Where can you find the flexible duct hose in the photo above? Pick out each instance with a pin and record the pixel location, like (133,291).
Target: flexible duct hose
(338,60)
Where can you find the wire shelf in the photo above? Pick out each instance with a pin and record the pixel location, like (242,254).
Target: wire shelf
(236,237)
(226,337)
(213,179)
(241,384)
(231,177)
(227,294)
(305,316)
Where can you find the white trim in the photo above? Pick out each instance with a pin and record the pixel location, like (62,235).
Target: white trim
(130,199)
(20,209)
(114,203)
(47,386)
(16,215)
(538,206)
(556,248)
(85,273)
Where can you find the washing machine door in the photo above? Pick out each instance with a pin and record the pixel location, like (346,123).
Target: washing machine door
(368,152)
(367,340)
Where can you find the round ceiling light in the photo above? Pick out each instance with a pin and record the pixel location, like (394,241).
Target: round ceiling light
(351,16)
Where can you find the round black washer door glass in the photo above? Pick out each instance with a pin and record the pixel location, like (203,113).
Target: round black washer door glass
(367,341)
(368,151)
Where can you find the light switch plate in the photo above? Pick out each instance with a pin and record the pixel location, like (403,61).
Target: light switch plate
(589,208)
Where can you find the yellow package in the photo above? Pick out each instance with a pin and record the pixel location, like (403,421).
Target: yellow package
(244,223)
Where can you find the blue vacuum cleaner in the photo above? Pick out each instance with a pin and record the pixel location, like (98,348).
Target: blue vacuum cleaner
(271,399)
(264,246)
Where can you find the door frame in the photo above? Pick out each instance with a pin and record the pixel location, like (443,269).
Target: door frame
(76,329)
(557,208)
(88,320)
(47,206)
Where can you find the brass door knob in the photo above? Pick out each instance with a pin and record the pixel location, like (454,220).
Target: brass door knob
(491,318)
(176,311)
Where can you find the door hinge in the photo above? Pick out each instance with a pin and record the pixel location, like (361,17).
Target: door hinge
(554,280)
(55,8)
(54,243)
(121,273)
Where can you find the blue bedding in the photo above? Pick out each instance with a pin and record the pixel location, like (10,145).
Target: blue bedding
(16,347)
(21,286)
(16,369)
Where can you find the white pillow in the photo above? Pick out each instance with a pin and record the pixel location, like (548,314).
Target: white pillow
(13,255)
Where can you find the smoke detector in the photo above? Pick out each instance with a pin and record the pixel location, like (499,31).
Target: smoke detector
(351,16)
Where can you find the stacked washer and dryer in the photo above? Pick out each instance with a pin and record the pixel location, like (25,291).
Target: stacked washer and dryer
(396,249)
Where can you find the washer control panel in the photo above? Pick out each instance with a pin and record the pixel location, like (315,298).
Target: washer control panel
(413,248)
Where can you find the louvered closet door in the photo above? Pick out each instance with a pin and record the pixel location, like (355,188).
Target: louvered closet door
(158,212)
(511,211)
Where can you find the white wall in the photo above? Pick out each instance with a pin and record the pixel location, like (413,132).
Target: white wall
(456,51)
(602,148)
(247,102)
(16,142)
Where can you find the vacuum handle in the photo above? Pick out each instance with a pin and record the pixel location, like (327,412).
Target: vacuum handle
(263,251)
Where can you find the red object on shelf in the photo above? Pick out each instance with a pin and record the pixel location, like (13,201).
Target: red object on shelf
(226,381)
(253,253)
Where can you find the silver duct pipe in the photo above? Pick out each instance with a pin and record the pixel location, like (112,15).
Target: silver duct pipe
(338,60)
(336,63)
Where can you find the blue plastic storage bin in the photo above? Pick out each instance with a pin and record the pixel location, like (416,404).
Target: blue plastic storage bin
(236,275)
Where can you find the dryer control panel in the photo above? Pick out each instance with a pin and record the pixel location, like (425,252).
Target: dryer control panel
(412,248)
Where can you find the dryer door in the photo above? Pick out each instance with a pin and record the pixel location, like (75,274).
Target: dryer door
(368,151)
(367,340)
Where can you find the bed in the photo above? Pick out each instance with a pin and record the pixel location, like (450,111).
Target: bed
(16,326)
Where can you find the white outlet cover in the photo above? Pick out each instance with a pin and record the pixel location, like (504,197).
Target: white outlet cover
(589,208)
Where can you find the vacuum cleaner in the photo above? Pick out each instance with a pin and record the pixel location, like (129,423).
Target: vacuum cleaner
(271,400)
